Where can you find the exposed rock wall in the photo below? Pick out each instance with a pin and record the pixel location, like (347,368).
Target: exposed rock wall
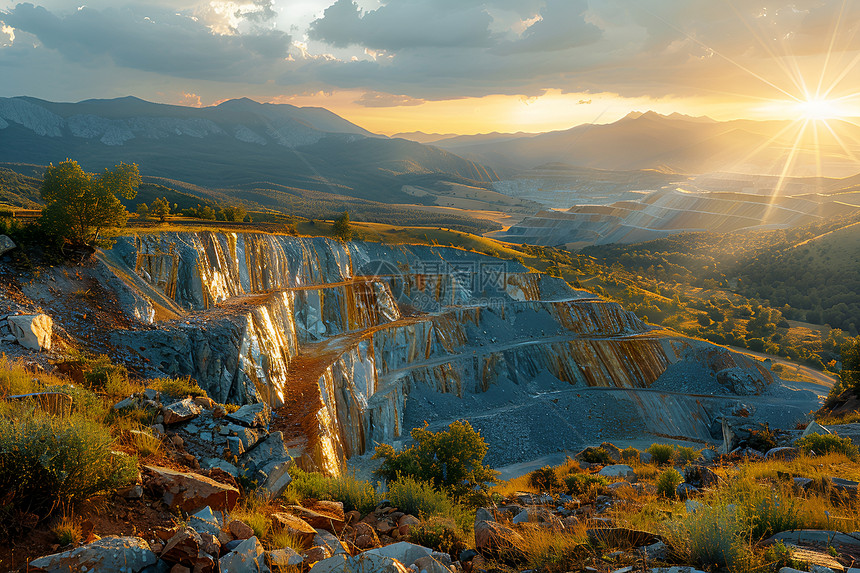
(352,329)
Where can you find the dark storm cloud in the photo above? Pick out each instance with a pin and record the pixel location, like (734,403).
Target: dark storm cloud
(149,39)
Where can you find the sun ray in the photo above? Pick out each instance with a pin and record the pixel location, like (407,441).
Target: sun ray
(830,48)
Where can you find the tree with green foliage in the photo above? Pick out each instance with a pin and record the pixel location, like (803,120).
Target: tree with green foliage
(143,210)
(235,213)
(850,373)
(450,459)
(160,208)
(342,228)
(79,205)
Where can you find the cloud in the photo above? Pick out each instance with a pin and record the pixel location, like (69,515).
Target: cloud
(404,24)
(151,40)
(380,99)
(560,26)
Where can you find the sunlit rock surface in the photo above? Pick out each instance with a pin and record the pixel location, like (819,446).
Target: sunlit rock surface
(347,339)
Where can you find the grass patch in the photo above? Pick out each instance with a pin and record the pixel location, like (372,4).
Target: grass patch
(178,388)
(668,482)
(441,534)
(817,444)
(355,494)
(661,453)
(68,530)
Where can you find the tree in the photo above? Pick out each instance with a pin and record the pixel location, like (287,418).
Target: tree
(160,208)
(234,213)
(342,228)
(143,210)
(449,459)
(79,205)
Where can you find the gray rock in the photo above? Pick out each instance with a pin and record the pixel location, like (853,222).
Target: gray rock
(619,470)
(181,411)
(814,537)
(224,465)
(645,458)
(406,553)
(656,551)
(6,245)
(742,381)
(107,555)
(252,415)
(613,451)
(274,478)
(237,447)
(327,539)
(283,558)
(266,452)
(815,428)
(685,491)
(205,521)
(247,557)
(430,565)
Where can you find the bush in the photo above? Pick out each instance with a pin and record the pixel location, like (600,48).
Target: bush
(67,530)
(827,443)
(593,455)
(629,454)
(353,493)
(668,482)
(102,375)
(544,479)
(46,462)
(449,459)
(687,455)
(579,484)
(762,440)
(661,453)
(178,387)
(441,534)
(419,498)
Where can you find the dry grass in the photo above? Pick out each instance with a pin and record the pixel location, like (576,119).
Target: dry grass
(68,530)
(551,551)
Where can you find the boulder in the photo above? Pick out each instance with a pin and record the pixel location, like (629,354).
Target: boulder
(6,245)
(204,521)
(252,415)
(294,526)
(686,491)
(363,562)
(186,548)
(496,540)
(106,555)
(191,492)
(613,451)
(364,536)
(328,515)
(248,557)
(812,428)
(783,453)
(240,529)
(32,330)
(700,477)
(619,470)
(283,559)
(181,411)
(430,565)
(326,539)
(274,478)
(406,553)
(742,381)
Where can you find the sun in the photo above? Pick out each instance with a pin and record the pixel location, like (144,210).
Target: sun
(820,109)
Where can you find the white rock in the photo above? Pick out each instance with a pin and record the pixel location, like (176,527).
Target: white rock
(815,428)
(6,245)
(32,330)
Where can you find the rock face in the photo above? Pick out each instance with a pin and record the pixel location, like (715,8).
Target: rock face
(478,326)
(107,555)
(32,330)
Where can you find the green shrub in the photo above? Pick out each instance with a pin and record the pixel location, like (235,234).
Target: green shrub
(450,459)
(545,479)
(102,375)
(710,536)
(661,453)
(355,494)
(439,533)
(668,482)
(687,455)
(178,387)
(593,455)
(762,440)
(46,462)
(826,444)
(579,484)
(419,498)
(629,454)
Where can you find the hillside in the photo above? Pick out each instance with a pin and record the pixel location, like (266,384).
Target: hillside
(235,144)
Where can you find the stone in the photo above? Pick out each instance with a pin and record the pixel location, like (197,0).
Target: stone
(191,492)
(252,415)
(264,453)
(782,453)
(248,557)
(620,537)
(327,539)
(820,537)
(815,428)
(709,455)
(294,526)
(6,245)
(619,470)
(314,554)
(364,536)
(32,331)
(645,458)
(180,411)
(225,466)
(186,548)
(493,539)
(210,544)
(332,519)
(363,562)
(109,554)
(685,491)
(285,558)
(521,517)
(204,401)
(274,478)
(656,551)
(802,483)
(204,521)
(408,520)
(430,565)
(613,451)
(240,529)
(404,552)
(701,477)
(237,447)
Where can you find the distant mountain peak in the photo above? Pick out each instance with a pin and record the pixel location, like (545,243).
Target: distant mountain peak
(651,114)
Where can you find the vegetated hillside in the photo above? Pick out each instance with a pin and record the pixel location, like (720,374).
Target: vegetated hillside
(17,190)
(235,144)
(816,280)
(650,141)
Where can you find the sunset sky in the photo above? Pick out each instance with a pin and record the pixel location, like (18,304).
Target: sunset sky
(446,66)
